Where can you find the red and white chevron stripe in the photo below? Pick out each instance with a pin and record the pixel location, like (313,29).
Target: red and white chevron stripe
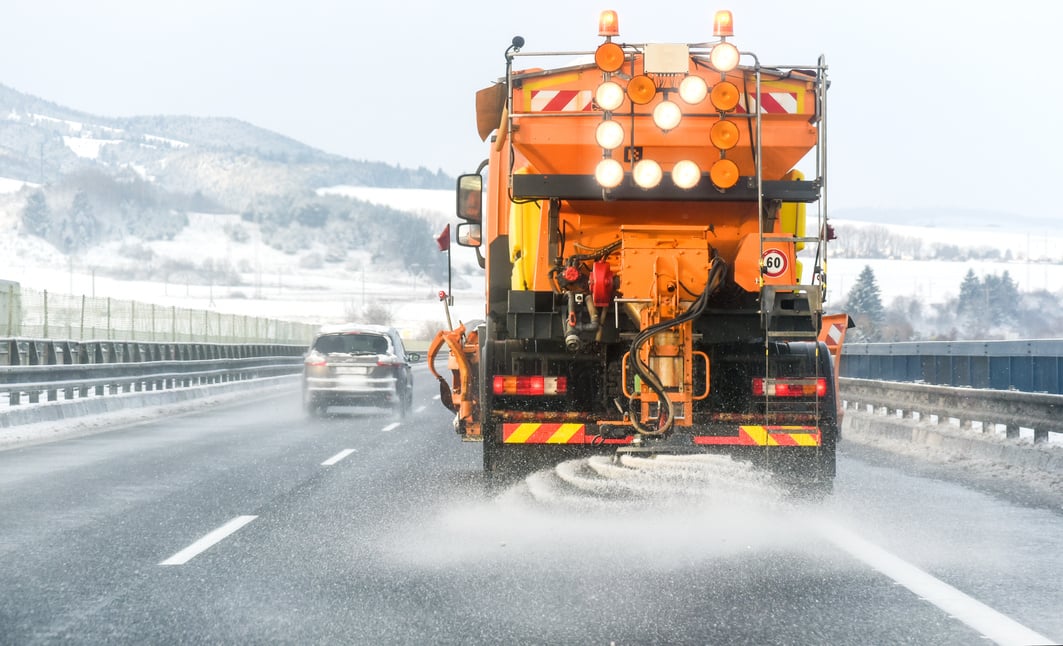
(561,100)
(774,103)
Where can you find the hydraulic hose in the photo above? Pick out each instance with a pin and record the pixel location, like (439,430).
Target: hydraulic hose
(649,377)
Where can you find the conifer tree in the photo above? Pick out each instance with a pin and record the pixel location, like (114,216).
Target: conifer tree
(971,311)
(864,304)
(35,215)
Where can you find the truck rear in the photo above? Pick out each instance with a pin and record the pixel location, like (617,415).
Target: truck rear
(651,221)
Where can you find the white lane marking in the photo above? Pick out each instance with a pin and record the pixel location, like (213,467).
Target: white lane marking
(200,546)
(420,409)
(390,427)
(990,623)
(436,397)
(336,458)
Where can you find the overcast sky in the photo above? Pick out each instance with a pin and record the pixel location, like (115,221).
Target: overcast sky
(929,107)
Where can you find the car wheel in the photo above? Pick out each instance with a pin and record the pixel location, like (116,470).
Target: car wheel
(403,402)
(312,407)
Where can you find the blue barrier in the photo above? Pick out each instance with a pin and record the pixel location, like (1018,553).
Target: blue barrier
(1034,366)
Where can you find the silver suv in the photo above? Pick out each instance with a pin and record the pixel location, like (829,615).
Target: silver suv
(350,365)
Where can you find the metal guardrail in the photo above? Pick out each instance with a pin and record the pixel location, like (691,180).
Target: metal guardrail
(1029,366)
(1014,410)
(35,368)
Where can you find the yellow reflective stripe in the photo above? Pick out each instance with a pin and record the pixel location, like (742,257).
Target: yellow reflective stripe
(523,432)
(804,439)
(758,434)
(564,433)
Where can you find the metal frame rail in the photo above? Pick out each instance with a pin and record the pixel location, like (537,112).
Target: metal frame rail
(1014,410)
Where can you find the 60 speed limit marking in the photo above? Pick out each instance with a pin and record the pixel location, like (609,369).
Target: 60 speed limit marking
(775,263)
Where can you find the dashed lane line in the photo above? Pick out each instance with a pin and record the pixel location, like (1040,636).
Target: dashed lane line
(203,544)
(336,458)
(391,427)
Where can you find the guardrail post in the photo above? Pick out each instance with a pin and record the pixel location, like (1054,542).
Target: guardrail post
(1012,432)
(14,398)
(50,359)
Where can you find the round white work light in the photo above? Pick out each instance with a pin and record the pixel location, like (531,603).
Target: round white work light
(609,173)
(667,115)
(724,57)
(647,173)
(609,96)
(609,134)
(693,90)
(686,174)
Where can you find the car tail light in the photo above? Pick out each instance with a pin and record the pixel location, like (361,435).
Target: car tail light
(789,387)
(388,361)
(314,359)
(529,385)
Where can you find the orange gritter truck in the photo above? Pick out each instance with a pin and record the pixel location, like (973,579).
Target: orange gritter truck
(651,221)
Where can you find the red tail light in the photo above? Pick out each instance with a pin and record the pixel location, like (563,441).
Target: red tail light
(314,360)
(529,385)
(789,387)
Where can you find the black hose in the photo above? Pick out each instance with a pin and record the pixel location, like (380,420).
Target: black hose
(715,279)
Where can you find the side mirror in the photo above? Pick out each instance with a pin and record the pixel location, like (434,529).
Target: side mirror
(470,234)
(413,357)
(470,198)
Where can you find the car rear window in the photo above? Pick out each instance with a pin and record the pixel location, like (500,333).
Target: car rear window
(352,343)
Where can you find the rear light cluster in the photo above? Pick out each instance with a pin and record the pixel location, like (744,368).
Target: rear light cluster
(529,385)
(790,387)
(314,359)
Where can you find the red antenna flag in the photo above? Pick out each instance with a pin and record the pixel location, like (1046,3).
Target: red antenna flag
(443,239)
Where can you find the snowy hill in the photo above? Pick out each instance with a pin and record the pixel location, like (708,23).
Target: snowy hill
(218,214)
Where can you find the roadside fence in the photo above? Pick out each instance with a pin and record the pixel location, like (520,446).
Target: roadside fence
(42,315)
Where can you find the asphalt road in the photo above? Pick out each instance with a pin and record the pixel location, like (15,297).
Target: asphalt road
(253,524)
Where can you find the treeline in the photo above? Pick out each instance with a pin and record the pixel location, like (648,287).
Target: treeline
(986,308)
(89,207)
(395,239)
(874,241)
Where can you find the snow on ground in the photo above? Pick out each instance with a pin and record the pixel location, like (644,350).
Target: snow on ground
(272,284)
(8,185)
(934,281)
(87,147)
(277,285)
(438,204)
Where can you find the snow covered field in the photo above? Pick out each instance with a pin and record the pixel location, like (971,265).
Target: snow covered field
(274,284)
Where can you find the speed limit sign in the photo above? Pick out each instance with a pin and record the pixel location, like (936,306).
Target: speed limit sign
(775,263)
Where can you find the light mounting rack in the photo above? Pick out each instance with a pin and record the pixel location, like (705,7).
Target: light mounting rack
(585,187)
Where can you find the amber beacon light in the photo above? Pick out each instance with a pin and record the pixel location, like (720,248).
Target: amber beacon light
(722,24)
(608,25)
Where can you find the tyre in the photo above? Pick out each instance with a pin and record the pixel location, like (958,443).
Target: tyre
(312,406)
(403,402)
